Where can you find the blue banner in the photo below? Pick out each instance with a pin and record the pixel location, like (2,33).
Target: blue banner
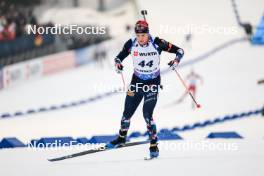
(258,37)
(84,55)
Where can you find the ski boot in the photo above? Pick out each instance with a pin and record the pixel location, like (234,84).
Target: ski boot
(154,151)
(118,142)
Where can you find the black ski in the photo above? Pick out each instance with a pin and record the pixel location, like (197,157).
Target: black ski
(150,158)
(100,149)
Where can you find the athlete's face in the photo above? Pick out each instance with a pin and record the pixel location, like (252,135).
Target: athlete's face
(142,38)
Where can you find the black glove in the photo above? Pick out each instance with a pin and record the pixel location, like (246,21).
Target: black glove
(173,64)
(118,65)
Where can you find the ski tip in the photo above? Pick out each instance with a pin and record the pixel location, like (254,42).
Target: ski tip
(55,159)
(150,158)
(51,160)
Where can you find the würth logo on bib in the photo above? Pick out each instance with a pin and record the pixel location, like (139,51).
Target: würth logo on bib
(148,54)
(135,53)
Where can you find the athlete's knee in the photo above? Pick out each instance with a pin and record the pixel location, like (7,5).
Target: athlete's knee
(128,114)
(128,111)
(147,115)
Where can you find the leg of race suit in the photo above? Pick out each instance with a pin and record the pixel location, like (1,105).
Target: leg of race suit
(132,101)
(150,100)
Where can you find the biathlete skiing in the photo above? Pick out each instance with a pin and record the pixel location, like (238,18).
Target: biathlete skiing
(145,51)
(192,78)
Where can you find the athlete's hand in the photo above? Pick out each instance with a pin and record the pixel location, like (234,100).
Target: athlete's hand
(119,67)
(173,64)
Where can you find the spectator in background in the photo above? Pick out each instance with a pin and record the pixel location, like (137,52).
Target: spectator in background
(32,20)
(2,7)
(13,21)
(8,31)
(15,15)
(187,42)
(2,26)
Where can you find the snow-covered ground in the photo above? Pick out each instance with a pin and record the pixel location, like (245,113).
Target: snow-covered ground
(230,86)
(235,157)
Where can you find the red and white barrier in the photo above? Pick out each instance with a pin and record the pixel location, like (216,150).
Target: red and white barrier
(58,62)
(17,73)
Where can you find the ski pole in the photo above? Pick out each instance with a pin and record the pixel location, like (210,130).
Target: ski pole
(182,81)
(123,80)
(144,13)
